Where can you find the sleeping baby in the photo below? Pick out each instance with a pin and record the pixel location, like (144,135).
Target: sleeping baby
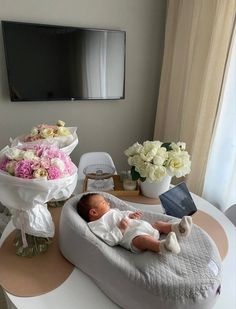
(125,228)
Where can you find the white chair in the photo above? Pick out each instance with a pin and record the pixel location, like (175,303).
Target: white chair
(91,158)
(231,213)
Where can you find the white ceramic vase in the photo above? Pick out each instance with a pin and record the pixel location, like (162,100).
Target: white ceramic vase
(154,189)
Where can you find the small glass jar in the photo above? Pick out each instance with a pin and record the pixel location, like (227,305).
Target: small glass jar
(128,183)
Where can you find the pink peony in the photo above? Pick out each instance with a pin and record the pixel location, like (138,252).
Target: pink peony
(51,152)
(23,169)
(36,165)
(3,164)
(54,172)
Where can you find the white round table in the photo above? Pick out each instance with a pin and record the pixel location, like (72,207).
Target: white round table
(76,291)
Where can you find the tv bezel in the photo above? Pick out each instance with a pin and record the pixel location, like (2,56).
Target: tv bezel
(12,97)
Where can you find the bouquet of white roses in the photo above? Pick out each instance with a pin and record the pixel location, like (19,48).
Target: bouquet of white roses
(30,176)
(63,137)
(153,160)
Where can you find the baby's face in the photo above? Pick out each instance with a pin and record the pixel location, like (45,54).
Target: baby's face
(100,204)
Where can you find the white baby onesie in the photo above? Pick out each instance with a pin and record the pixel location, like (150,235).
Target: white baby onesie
(106,228)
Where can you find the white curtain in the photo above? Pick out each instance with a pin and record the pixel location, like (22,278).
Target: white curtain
(220,180)
(197,40)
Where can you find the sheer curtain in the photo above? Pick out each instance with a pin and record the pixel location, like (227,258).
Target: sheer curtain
(220,180)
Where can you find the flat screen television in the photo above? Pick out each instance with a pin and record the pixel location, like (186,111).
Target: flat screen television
(48,62)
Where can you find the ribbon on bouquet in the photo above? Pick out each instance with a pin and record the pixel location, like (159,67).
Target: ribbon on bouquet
(36,221)
(22,228)
(18,216)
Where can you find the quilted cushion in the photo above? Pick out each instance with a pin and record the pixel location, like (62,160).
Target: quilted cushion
(188,280)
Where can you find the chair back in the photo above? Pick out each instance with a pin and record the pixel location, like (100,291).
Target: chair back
(94,158)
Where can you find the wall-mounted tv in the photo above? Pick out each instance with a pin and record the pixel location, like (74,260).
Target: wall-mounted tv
(48,62)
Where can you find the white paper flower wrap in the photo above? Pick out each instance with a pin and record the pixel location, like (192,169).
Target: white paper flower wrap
(27,198)
(66,143)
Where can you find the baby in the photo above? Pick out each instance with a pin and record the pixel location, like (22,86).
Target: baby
(125,228)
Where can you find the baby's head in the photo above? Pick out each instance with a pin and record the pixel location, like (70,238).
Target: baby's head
(92,206)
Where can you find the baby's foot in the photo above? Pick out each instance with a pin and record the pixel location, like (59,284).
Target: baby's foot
(183,228)
(170,244)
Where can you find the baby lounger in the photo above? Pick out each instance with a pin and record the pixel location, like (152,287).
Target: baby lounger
(188,280)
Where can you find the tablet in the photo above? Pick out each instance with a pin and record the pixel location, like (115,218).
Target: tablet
(177,201)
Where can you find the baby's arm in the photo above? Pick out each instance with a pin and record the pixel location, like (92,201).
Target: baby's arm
(124,223)
(136,215)
(132,214)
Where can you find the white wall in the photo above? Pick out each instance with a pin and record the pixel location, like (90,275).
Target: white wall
(108,126)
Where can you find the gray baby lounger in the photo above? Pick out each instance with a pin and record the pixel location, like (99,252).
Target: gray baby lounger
(189,280)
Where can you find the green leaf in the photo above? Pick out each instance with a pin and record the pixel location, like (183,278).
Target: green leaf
(135,175)
(167,146)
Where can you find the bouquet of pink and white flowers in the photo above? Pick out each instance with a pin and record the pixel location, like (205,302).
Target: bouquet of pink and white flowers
(63,137)
(30,176)
(36,161)
(44,131)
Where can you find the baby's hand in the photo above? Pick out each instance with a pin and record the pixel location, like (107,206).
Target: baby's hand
(136,215)
(124,223)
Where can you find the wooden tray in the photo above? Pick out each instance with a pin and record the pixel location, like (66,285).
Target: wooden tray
(118,187)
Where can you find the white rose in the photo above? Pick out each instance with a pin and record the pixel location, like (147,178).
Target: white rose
(10,167)
(60,123)
(28,155)
(155,173)
(59,163)
(34,131)
(181,145)
(150,149)
(135,160)
(148,156)
(179,164)
(142,168)
(161,156)
(47,132)
(62,131)
(175,147)
(133,150)
(13,154)
(40,173)
(152,144)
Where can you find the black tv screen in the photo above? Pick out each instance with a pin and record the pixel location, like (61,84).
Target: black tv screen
(47,62)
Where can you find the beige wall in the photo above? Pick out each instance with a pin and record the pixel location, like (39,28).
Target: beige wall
(102,125)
